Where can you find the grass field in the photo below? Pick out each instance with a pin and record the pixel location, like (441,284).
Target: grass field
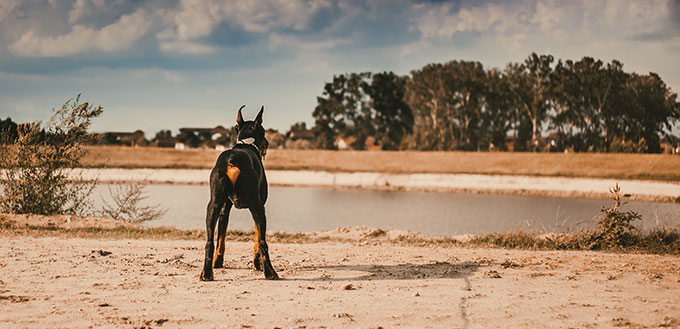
(592,165)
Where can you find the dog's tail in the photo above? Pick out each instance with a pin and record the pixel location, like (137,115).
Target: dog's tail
(232,172)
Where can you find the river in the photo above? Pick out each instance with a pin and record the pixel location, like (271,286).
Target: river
(305,209)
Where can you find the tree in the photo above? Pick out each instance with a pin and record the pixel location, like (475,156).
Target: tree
(163,134)
(363,105)
(448,103)
(585,101)
(391,118)
(8,129)
(534,89)
(468,81)
(653,109)
(429,97)
(339,110)
(300,125)
(189,138)
(501,108)
(601,108)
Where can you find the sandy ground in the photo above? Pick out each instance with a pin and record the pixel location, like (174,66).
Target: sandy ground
(506,184)
(76,283)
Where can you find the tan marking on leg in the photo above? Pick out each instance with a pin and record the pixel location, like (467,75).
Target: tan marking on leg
(257,234)
(220,247)
(256,250)
(232,173)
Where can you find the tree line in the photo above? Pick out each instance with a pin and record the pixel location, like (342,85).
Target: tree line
(582,106)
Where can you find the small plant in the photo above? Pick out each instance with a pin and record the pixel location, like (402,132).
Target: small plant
(38,164)
(127,204)
(615,228)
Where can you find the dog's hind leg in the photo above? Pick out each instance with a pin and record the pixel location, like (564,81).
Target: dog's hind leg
(262,249)
(257,262)
(217,199)
(222,222)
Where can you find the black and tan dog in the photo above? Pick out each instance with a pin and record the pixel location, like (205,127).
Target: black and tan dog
(238,179)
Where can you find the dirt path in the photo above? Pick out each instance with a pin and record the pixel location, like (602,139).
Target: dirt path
(58,282)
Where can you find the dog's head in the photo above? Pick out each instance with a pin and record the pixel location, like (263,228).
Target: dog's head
(252,129)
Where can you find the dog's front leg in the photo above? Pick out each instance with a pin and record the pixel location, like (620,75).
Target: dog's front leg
(262,248)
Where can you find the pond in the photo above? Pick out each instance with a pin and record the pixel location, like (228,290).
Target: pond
(303,209)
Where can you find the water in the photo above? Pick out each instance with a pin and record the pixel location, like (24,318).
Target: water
(297,209)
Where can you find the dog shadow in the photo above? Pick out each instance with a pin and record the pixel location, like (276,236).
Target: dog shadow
(408,271)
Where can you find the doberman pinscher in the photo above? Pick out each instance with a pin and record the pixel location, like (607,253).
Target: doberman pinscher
(238,179)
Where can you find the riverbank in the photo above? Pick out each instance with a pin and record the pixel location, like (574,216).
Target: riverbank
(659,191)
(357,278)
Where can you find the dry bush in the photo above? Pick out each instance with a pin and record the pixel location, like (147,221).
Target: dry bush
(615,228)
(127,204)
(38,165)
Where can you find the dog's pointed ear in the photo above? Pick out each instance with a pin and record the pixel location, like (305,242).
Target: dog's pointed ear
(239,117)
(258,119)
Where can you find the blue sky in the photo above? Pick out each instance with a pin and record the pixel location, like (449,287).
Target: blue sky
(165,64)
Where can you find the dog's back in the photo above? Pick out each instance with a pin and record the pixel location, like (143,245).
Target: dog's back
(239,173)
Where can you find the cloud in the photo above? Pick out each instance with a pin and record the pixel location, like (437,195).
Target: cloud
(118,36)
(6,8)
(515,24)
(185,48)
(197,19)
(277,40)
(80,9)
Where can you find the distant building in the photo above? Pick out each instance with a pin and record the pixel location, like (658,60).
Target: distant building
(344,143)
(275,139)
(371,144)
(301,134)
(134,139)
(208,133)
(670,145)
(165,142)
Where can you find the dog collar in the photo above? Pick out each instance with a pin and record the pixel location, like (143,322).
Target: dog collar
(249,141)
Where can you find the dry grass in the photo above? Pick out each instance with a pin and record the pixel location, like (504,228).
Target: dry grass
(591,165)
(658,241)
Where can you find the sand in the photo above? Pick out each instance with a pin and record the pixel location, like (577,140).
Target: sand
(76,283)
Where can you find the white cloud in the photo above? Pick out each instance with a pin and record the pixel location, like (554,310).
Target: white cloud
(80,9)
(195,19)
(118,36)
(514,24)
(185,47)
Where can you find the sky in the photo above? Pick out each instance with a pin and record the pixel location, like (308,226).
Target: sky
(166,64)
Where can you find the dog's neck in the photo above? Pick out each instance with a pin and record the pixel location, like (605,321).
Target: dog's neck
(249,141)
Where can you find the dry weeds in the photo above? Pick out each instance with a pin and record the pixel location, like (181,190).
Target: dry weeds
(658,241)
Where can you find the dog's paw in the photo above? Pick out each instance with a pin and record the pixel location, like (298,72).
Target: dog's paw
(271,275)
(206,276)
